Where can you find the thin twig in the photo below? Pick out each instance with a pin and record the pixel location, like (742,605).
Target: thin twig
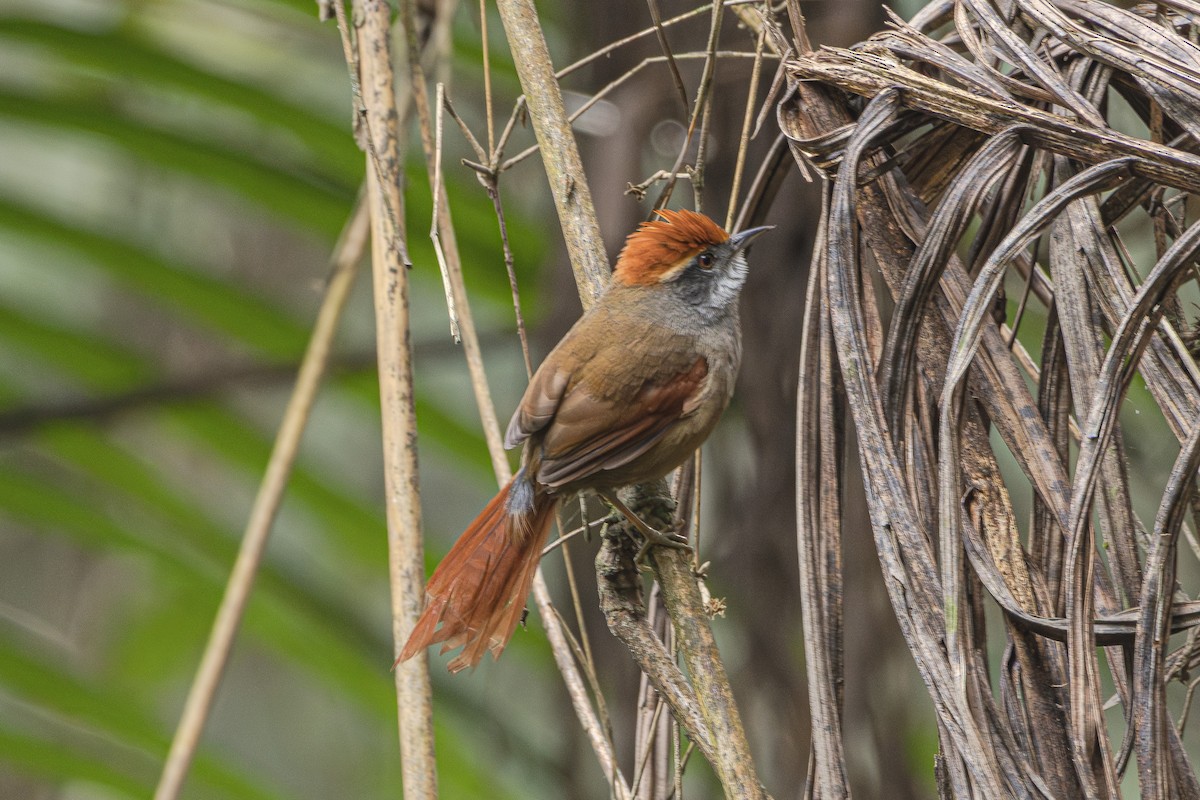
(519,107)
(633,37)
(648,745)
(612,85)
(406,562)
(569,535)
(439,252)
(607,50)
(266,504)
(445,242)
(603,726)
(656,733)
(560,154)
(596,733)
(466,132)
(493,189)
(656,16)
(700,167)
(639,190)
(490,179)
(702,97)
(589,661)
(487,76)
(744,139)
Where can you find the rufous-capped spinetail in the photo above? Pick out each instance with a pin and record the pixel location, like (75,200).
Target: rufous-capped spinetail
(627,396)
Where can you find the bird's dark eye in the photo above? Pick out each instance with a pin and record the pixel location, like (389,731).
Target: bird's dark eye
(705,260)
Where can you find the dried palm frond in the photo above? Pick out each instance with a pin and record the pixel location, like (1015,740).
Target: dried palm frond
(1038,143)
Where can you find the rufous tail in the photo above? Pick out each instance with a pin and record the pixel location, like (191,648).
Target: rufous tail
(477,594)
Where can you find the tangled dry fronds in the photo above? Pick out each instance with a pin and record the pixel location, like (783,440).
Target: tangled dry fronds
(1049,145)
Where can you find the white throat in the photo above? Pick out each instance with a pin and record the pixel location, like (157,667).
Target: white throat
(729,284)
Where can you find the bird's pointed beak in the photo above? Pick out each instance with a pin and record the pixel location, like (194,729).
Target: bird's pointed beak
(742,239)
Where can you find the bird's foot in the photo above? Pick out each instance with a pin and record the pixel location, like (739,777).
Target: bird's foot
(650,537)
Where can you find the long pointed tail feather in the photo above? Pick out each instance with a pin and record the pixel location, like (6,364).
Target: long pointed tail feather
(476,596)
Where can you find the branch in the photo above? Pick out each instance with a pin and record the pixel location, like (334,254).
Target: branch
(405,554)
(445,243)
(620,589)
(681,593)
(589,261)
(560,154)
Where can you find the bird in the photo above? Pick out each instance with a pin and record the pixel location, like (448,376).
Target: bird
(627,395)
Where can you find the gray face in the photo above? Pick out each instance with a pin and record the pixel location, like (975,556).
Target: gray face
(713,279)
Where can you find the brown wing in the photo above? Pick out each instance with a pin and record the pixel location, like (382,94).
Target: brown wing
(591,407)
(593,431)
(540,403)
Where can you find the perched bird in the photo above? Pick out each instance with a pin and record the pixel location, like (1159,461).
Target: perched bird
(627,396)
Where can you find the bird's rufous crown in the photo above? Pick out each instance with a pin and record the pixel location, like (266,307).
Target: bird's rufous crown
(662,246)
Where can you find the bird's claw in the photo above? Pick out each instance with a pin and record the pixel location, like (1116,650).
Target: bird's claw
(652,538)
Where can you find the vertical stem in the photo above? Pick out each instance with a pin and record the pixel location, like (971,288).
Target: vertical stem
(405,556)
(564,170)
(487,78)
(560,154)
(747,119)
(681,593)
(446,243)
(576,689)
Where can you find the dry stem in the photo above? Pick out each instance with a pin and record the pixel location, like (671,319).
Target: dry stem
(731,758)
(405,554)
(446,244)
(560,154)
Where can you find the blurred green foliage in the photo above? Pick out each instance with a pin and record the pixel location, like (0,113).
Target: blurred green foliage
(176,173)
